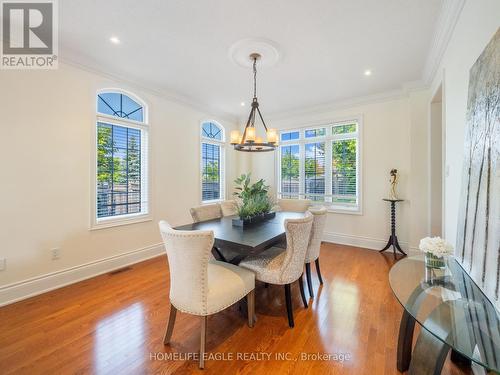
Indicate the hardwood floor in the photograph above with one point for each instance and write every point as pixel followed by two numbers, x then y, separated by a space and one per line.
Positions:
pixel 114 324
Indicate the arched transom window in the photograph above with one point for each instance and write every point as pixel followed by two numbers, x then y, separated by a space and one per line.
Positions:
pixel 120 105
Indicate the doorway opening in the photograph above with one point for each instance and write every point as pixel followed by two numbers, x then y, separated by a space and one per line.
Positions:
pixel 436 163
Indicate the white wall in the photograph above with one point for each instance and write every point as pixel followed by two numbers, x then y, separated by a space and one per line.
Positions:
pixel 47 118
pixel 477 23
pixel 394 135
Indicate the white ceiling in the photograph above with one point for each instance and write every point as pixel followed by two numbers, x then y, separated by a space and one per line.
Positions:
pixel 182 47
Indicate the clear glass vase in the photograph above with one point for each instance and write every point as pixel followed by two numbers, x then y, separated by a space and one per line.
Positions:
pixel 432 261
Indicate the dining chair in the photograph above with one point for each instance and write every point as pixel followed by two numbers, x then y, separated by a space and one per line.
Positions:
pixel 313 249
pixel 199 286
pixel 293 205
pixel 229 207
pixel 206 212
pixel 296 205
pixel 284 266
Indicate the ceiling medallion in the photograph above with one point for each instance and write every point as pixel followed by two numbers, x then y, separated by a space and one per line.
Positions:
pixel 250 142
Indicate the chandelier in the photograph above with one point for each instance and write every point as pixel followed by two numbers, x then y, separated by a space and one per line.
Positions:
pixel 250 142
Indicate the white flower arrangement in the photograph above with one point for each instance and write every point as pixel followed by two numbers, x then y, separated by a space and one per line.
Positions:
pixel 436 246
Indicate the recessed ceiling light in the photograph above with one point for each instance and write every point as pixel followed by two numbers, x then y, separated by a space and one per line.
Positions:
pixel 242 104
pixel 114 40
pixel 368 72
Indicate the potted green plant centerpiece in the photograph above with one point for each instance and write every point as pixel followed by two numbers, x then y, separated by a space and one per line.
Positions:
pixel 254 203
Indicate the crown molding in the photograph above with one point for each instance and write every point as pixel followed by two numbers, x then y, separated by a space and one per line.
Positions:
pixel 164 94
pixel 448 17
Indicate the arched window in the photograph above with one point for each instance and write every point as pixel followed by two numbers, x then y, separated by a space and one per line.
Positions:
pixel 119 105
pixel 121 167
pixel 212 161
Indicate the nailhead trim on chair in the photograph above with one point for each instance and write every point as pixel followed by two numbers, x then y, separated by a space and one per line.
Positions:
pixel 204 276
pixel 216 311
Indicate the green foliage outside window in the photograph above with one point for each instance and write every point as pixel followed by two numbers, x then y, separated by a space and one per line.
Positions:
pixel 111 168
pixel 344 169
pixel 211 172
pixel 289 166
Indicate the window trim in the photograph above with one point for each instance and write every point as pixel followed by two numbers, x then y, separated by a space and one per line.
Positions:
pixel 222 144
pixel 113 221
pixel 328 138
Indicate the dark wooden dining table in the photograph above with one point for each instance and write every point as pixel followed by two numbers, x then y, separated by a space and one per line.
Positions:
pixel 245 241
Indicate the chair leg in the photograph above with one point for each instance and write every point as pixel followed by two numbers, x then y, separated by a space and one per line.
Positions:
pixel 302 293
pixel 289 309
pixel 309 281
pixel 318 271
pixel 170 325
pixel 251 307
pixel 203 340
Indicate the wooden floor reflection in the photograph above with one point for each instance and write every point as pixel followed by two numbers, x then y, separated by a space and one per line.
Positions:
pixel 114 324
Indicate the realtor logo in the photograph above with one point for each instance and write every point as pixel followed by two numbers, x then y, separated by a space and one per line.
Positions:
pixel 29 34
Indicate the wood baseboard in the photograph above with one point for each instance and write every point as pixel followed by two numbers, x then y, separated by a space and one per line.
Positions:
pixel 358 241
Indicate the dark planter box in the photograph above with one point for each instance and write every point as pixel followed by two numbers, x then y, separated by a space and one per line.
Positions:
pixel 253 220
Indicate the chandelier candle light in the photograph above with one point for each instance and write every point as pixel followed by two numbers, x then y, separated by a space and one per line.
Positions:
pixel 250 142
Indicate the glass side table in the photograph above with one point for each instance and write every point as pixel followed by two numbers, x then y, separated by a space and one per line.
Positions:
pixel 454 314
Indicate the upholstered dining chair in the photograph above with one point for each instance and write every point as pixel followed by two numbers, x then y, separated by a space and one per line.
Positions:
pixel 312 254
pixel 284 266
pixel 199 286
pixel 206 212
pixel 296 205
pixel 229 207
pixel 293 205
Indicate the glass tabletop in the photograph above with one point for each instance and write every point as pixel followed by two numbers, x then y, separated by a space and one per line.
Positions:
pixel 448 304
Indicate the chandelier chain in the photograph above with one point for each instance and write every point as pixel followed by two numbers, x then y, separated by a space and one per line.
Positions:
pixel 255 77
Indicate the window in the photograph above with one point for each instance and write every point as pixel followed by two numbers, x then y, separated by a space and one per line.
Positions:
pixel 121 169
pixel 290 182
pixel 314 168
pixel 212 162
pixel 322 164
pixel 289 136
pixel 311 133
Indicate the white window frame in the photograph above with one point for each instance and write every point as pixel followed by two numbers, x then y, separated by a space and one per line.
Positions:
pixel 145 214
pixel 222 147
pixel 328 138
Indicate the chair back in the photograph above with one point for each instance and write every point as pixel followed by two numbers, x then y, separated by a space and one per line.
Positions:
pixel 206 212
pixel 188 253
pixel 229 207
pixel 297 239
pixel 318 226
pixel 295 205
